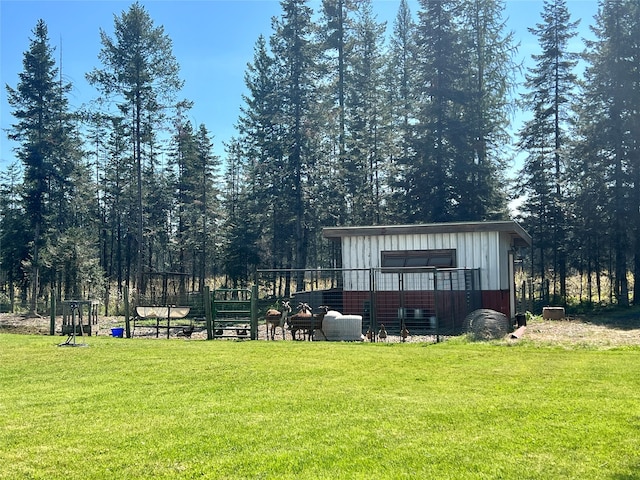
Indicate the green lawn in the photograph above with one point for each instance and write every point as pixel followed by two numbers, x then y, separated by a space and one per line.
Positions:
pixel 193 409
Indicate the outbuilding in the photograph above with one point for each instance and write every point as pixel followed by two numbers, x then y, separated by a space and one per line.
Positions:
pixel 418 259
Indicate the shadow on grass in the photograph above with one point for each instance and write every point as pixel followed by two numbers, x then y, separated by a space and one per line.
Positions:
pixel 634 468
pixel 620 318
pixel 23 329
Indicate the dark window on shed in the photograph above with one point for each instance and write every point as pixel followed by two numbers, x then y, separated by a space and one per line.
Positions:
pixel 445 258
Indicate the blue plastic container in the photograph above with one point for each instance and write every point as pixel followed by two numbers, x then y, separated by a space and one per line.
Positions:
pixel 117 332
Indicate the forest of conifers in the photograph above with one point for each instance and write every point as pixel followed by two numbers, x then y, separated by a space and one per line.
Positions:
pixel 345 122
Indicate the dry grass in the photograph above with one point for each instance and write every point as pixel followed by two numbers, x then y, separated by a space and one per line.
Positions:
pixel 611 330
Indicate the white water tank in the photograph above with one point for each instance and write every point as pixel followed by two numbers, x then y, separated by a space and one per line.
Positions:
pixel 342 328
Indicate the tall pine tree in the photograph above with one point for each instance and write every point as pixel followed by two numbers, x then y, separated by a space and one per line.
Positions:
pixel 545 138
pixel 611 103
pixel 401 98
pixel 488 84
pixel 438 131
pixel 296 54
pixel 48 148
pixel 364 169
pixel 140 71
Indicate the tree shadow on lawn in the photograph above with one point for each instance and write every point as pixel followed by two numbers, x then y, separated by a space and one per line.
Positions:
pixel 613 317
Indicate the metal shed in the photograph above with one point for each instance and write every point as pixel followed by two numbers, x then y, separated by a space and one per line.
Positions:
pixel 488 247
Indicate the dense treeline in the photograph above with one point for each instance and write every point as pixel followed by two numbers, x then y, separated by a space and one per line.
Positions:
pixel 346 121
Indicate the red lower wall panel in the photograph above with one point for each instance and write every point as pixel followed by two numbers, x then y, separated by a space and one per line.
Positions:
pixel 497 300
pixel 451 308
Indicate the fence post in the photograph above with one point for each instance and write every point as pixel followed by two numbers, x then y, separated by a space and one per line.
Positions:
pixel 435 304
pixel 373 312
pixel 254 312
pixel 207 312
pixel 52 317
pixel 127 313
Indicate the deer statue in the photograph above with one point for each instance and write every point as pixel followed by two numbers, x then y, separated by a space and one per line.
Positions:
pixel 275 318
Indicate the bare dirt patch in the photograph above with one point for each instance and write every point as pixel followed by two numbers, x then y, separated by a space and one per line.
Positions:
pixel 41 325
pixel 583 332
pixel 600 331
pixel 29 325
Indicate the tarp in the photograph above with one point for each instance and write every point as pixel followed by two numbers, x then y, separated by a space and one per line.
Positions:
pixel 162 312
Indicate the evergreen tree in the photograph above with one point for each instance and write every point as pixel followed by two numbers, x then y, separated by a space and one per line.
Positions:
pixel 240 252
pixel 139 69
pixel 296 55
pixel 193 175
pixel 119 203
pixel 610 105
pixel 451 170
pixel 48 148
pixel 401 97
pixel 159 212
pixel 205 207
pixel 551 85
pixel 183 156
pixel 488 83
pixel 591 203
pixel 429 183
pixel 335 39
pixel 96 138
pixel 634 154
pixel 364 169
pixel 14 229
pixel 269 188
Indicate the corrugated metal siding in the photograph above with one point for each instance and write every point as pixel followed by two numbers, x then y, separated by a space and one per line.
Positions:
pixel 505 247
pixel 487 251
pixel 478 250
pixel 358 253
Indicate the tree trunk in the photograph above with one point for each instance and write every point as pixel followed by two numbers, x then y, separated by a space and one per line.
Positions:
pixel 35 271
pixel 138 162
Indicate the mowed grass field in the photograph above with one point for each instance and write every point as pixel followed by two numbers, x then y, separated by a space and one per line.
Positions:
pixel 139 408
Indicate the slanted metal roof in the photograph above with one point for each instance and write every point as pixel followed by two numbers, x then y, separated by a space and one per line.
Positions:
pixel 518 234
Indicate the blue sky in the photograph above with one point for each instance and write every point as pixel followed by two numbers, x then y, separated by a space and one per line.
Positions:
pixel 213 41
